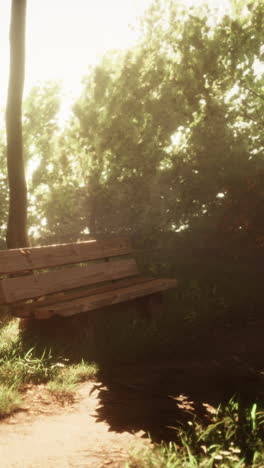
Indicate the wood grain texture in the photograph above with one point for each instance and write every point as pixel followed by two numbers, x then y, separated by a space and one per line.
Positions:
pixel 26 308
pixel 38 285
pixel 27 259
pixel 97 301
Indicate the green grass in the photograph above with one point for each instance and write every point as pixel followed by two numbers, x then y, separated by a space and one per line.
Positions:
pixel 9 339
pixel 20 366
pixel 232 437
pixel 173 456
pixel 68 377
pixel 10 400
pixel 19 370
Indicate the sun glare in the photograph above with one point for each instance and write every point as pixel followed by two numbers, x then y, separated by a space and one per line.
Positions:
pixel 64 37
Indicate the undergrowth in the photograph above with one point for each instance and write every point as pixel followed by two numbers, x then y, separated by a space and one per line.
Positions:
pixel 66 380
pixel 20 366
pixel 229 436
pixel 10 400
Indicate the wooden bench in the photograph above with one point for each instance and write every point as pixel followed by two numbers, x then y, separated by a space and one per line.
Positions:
pixel 69 279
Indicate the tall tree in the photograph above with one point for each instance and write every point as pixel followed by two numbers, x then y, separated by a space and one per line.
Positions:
pixel 172 131
pixel 17 220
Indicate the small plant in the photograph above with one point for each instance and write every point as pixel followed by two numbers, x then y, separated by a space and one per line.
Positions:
pixel 10 400
pixel 82 371
pixel 27 368
pixel 69 376
pixel 19 367
pixel 62 386
pixel 9 339
pixel 233 435
pixel 229 436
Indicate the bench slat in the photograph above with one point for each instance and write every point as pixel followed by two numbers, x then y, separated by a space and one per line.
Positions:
pixel 19 260
pixel 38 285
pixel 25 309
pixel 97 301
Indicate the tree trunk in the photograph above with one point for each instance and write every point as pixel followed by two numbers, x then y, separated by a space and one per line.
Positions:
pixel 17 220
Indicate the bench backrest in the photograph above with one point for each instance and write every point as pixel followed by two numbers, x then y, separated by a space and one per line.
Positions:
pixel 23 277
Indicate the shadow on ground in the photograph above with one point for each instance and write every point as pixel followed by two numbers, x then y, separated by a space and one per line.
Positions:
pixel 141 395
pixel 148 395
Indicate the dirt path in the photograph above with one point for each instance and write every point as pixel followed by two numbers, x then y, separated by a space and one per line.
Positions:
pixel 50 435
pixel 107 419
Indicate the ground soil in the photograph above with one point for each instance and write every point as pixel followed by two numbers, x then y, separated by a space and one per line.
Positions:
pixel 109 418
pixel 62 433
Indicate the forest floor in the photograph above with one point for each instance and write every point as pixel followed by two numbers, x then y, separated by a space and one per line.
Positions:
pixel 50 433
pixel 107 419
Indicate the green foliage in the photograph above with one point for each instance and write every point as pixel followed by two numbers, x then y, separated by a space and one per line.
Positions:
pixel 41 134
pixel 167 131
pixel 9 339
pixel 166 144
pixel 166 136
pixel 232 437
pixel 63 386
pixel 3 189
pixel 66 380
pixel 20 366
pixel 27 368
pixel 82 371
pixel 10 400
pixel 232 429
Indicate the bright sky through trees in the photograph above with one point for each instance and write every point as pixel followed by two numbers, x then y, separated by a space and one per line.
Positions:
pixel 175 115
pixel 64 37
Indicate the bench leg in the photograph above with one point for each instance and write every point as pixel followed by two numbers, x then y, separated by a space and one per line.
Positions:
pixel 91 332
pixel 83 327
pixel 152 307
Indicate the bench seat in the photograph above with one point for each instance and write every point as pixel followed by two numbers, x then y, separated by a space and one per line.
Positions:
pixel 86 276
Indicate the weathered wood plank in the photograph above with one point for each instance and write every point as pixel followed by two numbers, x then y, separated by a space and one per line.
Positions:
pixel 97 301
pixel 26 308
pixel 38 285
pixel 19 260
